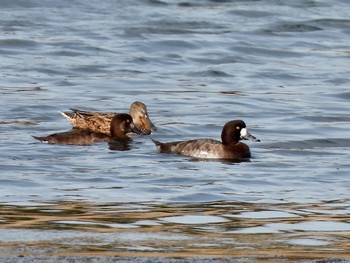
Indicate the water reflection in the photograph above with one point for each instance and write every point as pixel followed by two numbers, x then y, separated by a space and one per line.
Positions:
pixel 211 229
pixel 223 161
pixel 19 122
pixel 119 146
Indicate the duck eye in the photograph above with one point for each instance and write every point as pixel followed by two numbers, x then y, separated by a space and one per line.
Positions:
pixel 238 128
pixel 127 121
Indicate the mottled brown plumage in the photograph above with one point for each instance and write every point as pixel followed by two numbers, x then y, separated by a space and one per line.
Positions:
pixel 100 121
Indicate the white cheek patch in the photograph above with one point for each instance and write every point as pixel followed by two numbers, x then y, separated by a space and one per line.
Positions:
pixel 244 132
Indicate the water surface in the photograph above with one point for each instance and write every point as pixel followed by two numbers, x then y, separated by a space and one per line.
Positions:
pixel 281 66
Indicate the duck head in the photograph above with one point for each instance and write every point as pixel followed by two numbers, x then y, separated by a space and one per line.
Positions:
pixel 138 111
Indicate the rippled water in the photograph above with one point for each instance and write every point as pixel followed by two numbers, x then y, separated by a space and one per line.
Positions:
pixel 282 66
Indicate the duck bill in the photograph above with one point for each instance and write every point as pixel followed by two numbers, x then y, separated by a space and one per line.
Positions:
pixel 147 126
pixel 136 130
pixel 153 127
pixel 245 135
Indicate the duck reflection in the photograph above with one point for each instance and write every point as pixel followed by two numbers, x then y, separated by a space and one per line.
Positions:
pixel 119 146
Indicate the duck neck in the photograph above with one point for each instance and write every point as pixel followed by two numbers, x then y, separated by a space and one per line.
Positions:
pixel 122 137
pixel 228 138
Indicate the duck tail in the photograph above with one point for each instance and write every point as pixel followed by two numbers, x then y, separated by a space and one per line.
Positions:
pixel 156 142
pixel 161 147
pixel 67 115
pixel 73 116
pixel 42 139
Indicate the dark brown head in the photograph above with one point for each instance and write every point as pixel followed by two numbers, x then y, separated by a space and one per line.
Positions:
pixel 234 131
pixel 122 124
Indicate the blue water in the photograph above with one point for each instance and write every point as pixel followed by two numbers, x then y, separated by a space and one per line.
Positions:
pixel 281 66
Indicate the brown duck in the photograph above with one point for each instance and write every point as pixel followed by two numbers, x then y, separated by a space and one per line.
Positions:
pixel 100 121
pixel 121 124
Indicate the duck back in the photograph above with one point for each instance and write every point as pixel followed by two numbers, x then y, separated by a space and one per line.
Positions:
pixel 95 121
pixel 75 137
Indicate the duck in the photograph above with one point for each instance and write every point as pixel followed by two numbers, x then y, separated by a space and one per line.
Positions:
pixel 229 148
pixel 121 124
pixel 100 121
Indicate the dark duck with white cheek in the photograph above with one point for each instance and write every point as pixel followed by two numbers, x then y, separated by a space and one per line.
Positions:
pixel 230 147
